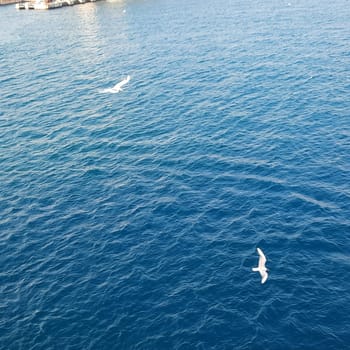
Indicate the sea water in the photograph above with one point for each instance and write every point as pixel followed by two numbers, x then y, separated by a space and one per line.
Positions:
pixel 131 220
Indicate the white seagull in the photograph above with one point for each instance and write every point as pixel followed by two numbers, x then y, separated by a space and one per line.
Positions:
pixel 116 88
pixel 261 268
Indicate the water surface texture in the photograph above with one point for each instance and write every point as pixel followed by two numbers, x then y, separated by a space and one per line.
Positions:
pixel 131 220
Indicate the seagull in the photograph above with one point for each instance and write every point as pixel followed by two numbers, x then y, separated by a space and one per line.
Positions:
pixel 118 87
pixel 261 268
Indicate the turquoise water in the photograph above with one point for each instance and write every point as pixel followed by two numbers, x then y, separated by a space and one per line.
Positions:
pixel 131 220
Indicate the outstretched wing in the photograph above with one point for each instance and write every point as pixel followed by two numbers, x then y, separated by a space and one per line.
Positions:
pixel 107 91
pixel 124 81
pixel 118 87
pixel 264 276
pixel 262 259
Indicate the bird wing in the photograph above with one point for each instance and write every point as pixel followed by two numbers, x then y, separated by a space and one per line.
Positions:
pixel 124 81
pixel 264 276
pixel 262 259
pixel 118 86
pixel 105 91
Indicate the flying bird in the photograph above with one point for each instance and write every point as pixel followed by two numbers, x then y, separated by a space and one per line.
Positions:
pixel 118 87
pixel 261 267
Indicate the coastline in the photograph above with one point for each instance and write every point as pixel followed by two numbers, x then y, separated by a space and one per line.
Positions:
pixel 42 4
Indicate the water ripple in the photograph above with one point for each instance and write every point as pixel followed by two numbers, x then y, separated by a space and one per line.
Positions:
pixel 131 221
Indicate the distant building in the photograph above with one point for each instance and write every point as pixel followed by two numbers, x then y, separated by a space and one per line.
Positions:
pixel 6 2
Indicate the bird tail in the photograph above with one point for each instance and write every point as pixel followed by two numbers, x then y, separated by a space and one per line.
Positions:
pixel 255 269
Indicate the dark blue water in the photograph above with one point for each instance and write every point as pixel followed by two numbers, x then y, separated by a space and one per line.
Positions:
pixel 131 220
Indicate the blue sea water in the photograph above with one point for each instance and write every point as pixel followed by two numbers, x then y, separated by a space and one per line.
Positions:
pixel 131 220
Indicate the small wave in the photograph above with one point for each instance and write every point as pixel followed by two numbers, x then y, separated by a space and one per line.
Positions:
pixel 321 204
